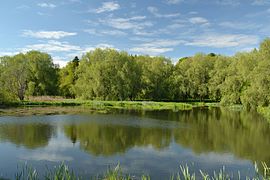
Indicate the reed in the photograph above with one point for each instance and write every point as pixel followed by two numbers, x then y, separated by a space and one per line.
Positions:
pixel 62 172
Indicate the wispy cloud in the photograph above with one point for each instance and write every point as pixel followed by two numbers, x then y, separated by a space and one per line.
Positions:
pixel 47 34
pixel 240 25
pixel 154 11
pixel 47 5
pixel 87 48
pixel 199 20
pixel 174 1
pixel 157 47
pixel 8 53
pixel 52 46
pixel 224 40
pixel 107 7
pixel 135 22
pixel 260 2
pixel 60 61
pixel 24 6
pixel 105 32
pixel 228 2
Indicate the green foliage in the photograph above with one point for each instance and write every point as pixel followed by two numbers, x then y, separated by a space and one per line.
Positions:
pixel 107 74
pixel 43 78
pixel 32 73
pixel 155 77
pixel 26 172
pixel 14 76
pixel 62 172
pixel 192 76
pixel 68 78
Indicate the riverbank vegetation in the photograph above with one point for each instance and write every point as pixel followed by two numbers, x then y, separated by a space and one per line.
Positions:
pixel 106 74
pixel 185 173
pixel 107 105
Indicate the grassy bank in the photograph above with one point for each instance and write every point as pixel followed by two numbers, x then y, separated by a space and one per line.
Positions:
pixel 62 172
pixel 136 105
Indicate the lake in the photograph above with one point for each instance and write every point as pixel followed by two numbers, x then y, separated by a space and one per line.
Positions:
pixel 150 142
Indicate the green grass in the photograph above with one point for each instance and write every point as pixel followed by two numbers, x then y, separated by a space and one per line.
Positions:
pixel 62 172
pixel 136 105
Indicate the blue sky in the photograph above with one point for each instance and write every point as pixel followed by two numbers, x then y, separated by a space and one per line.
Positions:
pixel 173 28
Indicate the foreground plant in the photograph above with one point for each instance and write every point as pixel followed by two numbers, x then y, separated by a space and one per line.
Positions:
pixel 62 172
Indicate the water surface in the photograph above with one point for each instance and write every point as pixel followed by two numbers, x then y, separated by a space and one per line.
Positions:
pixel 150 142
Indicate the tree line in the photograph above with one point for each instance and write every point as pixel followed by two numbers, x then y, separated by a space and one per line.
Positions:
pixel 107 74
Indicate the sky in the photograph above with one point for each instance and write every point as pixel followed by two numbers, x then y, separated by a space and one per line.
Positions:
pixel 171 28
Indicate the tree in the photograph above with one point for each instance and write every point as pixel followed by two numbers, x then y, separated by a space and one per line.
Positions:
pixel 15 74
pixel 156 72
pixel 108 75
pixel 43 77
pixel 217 76
pixel 192 76
pixel 68 78
pixel 265 49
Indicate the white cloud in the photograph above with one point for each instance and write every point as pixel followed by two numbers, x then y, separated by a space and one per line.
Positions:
pixel 47 5
pixel 151 50
pixel 260 2
pixel 88 48
pixel 174 1
pixel 155 12
pixel 23 7
pixel 157 47
pixel 47 34
pixel 59 60
pixel 143 33
pixel 247 49
pixel 92 48
pixel 239 25
pixel 104 46
pixel 105 32
pixel 52 46
pixel 258 13
pixel 75 1
pixel 199 20
pixel 107 7
pixel 43 14
pixel 224 40
pixel 127 23
pixel 8 53
pixel 228 2
pixel 46 156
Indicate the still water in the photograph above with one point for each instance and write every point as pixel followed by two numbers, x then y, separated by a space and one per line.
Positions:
pixel 149 142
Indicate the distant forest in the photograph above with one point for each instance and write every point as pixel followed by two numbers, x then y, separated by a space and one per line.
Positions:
pixel 107 74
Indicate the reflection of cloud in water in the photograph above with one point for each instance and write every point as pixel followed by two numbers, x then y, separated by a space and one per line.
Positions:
pixel 221 158
pixel 45 156
pixel 54 152
pixel 149 160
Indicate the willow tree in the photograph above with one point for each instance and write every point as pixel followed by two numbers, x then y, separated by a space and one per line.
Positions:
pixel 43 77
pixel 108 75
pixel 14 77
pixel 68 78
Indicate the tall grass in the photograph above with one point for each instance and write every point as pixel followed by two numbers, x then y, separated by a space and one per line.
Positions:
pixel 62 172
pixel 136 105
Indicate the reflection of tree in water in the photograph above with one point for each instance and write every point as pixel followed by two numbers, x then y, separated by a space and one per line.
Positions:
pixel 106 139
pixel 28 135
pixel 246 135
